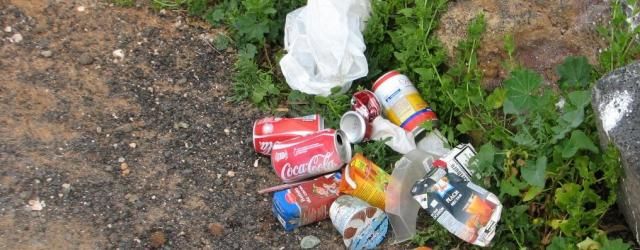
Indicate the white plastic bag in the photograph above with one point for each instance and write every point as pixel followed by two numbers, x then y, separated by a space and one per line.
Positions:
pixel 399 140
pixel 324 44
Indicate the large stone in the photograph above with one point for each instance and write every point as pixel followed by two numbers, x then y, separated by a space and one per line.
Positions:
pixel 616 101
pixel 545 32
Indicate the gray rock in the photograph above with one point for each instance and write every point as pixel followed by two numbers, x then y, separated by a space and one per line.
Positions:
pixel 85 59
pixel 309 242
pixel 616 99
pixel 46 53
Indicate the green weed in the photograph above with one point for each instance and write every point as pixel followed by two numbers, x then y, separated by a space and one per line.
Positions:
pixel 124 3
pixel 623 44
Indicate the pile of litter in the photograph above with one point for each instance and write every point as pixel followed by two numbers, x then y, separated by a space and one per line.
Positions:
pixel 321 176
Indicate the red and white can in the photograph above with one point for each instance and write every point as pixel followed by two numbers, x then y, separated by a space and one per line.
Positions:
pixel 311 155
pixel 366 104
pixel 269 130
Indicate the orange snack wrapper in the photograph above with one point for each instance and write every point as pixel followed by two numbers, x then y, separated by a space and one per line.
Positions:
pixel 364 179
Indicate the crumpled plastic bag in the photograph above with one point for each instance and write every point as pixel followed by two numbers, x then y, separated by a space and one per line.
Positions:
pixel 325 46
pixel 400 140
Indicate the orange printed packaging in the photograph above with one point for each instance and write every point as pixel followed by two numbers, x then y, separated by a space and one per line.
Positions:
pixel 364 179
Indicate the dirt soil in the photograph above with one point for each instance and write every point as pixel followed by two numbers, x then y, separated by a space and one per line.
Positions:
pixel 127 149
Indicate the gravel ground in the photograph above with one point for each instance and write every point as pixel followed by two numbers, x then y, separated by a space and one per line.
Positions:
pixel 116 131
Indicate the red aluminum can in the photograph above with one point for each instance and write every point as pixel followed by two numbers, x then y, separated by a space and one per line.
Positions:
pixel 312 155
pixel 269 130
pixel 366 104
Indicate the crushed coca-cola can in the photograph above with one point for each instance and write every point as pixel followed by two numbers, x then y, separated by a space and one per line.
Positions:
pixel 366 104
pixel 306 203
pixel 269 130
pixel 356 127
pixel 311 155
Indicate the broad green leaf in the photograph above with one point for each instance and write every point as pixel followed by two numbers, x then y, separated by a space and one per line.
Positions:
pixel 524 139
pixel 580 98
pixel 582 164
pixel 507 187
pixel 482 163
pixel 568 195
pixel 531 193
pixel 534 172
pixel 616 244
pixel 588 244
pixel 509 108
pixel 496 98
pixel 574 71
pixel 521 88
pixel 560 243
pixel 559 132
pixel 573 118
pixel 466 125
pixel 486 154
pixel 579 140
pixel 426 74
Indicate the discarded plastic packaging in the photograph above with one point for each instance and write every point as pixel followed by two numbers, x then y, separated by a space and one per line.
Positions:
pixel 306 203
pixel 269 130
pixel 361 225
pixel 401 208
pixel 307 156
pixel 400 140
pixel 433 143
pixel 356 127
pixel 463 208
pixel 364 179
pixel 457 161
pixel 325 46
pixel 402 103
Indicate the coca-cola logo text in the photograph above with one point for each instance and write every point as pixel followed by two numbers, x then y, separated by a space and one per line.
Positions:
pixel 320 163
pixel 266 146
pixel 281 155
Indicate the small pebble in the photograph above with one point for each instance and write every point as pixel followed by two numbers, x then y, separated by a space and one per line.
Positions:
pixel 181 125
pixel 36 205
pixel 227 131
pixel 8 29
pixel 121 159
pixel 16 38
pixel 157 239
pixel 182 81
pixel 216 229
pixel 255 163
pixel 46 53
pixel 231 173
pixel 309 242
pixel 124 169
pixel 66 188
pixel 133 145
pixel 131 198
pixel 81 9
pixel 99 130
pixel 85 59
pixel 118 53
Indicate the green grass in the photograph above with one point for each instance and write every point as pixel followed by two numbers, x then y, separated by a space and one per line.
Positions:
pixel 542 161
pixel 124 3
